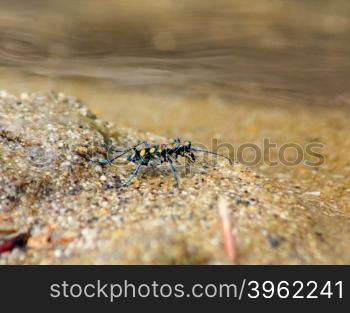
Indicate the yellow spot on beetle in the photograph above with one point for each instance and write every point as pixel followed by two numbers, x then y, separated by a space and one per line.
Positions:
pixel 142 152
pixel 152 150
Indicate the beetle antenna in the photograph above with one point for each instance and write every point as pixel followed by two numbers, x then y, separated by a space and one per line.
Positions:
pixel 214 153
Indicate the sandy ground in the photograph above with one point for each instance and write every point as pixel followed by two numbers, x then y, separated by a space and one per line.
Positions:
pixel 71 211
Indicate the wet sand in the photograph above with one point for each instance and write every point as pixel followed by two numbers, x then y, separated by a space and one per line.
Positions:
pixel 75 213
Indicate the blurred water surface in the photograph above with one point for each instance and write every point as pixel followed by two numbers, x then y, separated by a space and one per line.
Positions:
pixel 282 50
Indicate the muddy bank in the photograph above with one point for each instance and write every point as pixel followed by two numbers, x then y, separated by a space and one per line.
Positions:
pixel 73 211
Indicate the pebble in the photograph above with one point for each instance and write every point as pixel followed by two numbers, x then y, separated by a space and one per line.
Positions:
pixel 24 96
pixel 3 94
pixel 58 253
pixel 313 193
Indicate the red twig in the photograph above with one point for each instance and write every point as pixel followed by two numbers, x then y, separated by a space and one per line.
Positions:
pixel 229 242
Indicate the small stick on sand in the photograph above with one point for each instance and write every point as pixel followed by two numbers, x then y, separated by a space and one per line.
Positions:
pixel 229 242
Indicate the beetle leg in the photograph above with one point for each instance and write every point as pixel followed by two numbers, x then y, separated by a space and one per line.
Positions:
pixel 133 175
pixel 173 169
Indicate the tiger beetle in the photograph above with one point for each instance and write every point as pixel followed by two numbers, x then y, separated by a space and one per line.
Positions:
pixel 161 153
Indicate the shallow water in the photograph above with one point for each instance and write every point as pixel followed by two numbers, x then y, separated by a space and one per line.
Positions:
pixel 294 51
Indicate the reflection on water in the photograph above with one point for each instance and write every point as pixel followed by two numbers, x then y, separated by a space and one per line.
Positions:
pixel 282 49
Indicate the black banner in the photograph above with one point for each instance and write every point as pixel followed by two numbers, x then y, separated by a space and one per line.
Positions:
pixel 232 287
